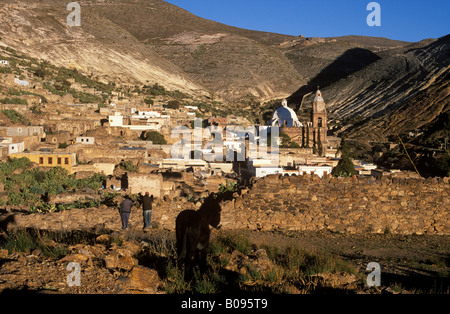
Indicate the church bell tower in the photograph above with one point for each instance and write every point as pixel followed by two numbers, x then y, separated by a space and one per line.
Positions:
pixel 319 121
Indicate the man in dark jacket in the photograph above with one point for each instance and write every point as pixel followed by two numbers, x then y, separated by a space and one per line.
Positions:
pixel 147 201
pixel 125 210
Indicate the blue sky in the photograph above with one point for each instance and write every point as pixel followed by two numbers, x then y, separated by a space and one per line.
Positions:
pixel 409 20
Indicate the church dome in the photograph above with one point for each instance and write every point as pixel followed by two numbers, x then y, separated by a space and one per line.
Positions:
pixel 285 116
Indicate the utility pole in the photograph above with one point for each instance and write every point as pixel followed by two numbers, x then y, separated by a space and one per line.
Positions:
pixel 409 157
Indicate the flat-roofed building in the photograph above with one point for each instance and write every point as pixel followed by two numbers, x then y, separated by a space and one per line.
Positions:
pixel 47 159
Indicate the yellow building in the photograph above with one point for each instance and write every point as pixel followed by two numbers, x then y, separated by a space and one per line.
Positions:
pixel 45 159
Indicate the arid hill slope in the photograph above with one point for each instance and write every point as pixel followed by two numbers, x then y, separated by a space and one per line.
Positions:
pixel 137 41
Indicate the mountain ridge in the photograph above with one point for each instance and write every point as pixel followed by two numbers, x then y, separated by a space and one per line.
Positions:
pixel 367 82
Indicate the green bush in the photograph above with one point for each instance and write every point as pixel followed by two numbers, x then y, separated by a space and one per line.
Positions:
pixel 13 115
pixel 26 186
pixel 24 241
pixel 156 137
pixel 345 167
pixel 129 166
pixel 149 101
pixel 230 186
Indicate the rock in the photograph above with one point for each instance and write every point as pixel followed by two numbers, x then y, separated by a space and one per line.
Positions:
pixel 120 259
pixel 144 279
pixel 75 258
pixel 3 253
pixel 36 252
pixel 133 248
pixel 104 239
pixel 341 279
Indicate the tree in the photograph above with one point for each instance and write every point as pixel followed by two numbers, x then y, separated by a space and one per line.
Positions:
pixel 148 101
pixel 156 137
pixel 307 136
pixel 319 144
pixel 174 104
pixel 345 167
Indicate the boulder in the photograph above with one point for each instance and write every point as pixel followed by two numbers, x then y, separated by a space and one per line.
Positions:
pixel 144 280
pixel 120 259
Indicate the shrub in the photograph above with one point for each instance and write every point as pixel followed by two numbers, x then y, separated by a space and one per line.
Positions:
pixel 156 137
pixel 345 167
pixel 229 187
pixel 174 104
pixel 129 166
pixel 13 115
pixel 149 101
pixel 27 186
pixel 231 241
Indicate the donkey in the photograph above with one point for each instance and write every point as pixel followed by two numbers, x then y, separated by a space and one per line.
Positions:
pixel 193 234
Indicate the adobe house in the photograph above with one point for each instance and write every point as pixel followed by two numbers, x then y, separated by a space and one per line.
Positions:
pixel 4 152
pixel 46 159
pixel 22 131
pixel 59 137
pixel 85 140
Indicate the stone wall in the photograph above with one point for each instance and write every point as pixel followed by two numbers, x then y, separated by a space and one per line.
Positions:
pixel 298 203
pixel 394 205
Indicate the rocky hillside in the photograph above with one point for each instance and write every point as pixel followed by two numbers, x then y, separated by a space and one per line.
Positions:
pixel 396 94
pixel 375 87
pixel 156 42
pixel 99 47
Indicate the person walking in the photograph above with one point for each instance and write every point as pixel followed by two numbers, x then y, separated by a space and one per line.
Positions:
pixel 125 211
pixel 147 201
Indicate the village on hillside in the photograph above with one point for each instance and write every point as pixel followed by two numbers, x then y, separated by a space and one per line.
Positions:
pixel 134 140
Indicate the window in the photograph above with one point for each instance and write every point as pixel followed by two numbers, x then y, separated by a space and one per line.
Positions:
pixel 66 161
pixel 41 160
pixel 59 160
pixel 50 160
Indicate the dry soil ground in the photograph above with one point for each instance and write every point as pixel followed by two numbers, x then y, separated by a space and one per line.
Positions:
pixel 411 264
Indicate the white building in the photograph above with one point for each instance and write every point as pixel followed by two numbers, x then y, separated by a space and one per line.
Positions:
pixel 147 114
pixel 264 167
pixel 4 62
pixel 13 148
pixel 116 119
pixel 364 168
pixel 21 82
pixel 85 140
pixel 285 116
pixel 319 170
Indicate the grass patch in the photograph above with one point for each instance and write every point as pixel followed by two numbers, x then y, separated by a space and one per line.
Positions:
pixel 26 241
pixel 233 267
pixel 13 115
